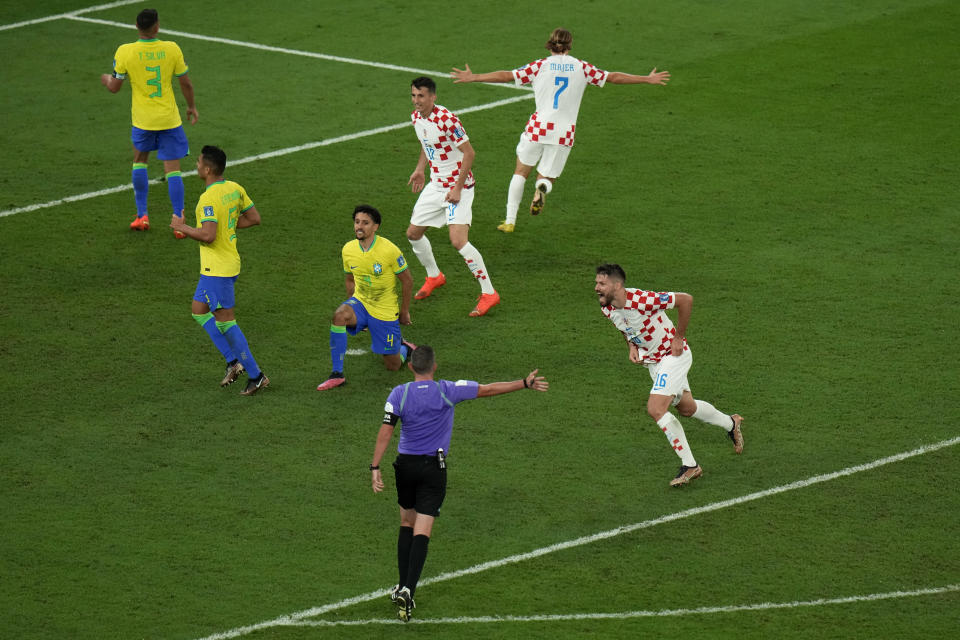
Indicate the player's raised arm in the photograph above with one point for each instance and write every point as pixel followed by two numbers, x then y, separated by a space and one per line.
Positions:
pixel 654 77
pixel 466 75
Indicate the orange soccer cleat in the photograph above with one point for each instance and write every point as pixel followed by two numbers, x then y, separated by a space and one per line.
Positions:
pixel 140 224
pixel 429 285
pixel 485 302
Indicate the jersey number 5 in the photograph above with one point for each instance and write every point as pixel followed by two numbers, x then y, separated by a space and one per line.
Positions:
pixel 562 83
pixel 155 81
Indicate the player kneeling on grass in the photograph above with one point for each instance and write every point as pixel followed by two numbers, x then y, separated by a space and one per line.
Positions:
pixel 222 209
pixel 654 342
pixel 425 407
pixel 372 266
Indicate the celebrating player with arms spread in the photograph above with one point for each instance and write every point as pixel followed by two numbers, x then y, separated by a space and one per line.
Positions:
pixel 558 83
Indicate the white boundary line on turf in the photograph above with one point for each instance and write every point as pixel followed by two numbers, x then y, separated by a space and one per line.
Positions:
pixel 624 615
pixel 289 619
pixel 292 52
pixel 259 156
pixel 69 14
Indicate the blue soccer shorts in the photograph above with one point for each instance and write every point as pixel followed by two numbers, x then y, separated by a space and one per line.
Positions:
pixel 170 144
pixel 216 292
pixel 385 336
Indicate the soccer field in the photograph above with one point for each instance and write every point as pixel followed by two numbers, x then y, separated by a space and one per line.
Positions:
pixel 798 177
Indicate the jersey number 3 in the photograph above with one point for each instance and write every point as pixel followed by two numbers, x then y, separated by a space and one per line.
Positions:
pixel 155 81
pixel 562 83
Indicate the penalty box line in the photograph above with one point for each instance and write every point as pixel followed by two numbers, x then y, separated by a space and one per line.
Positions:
pixel 260 156
pixel 69 14
pixel 292 52
pixel 292 618
pixel 626 615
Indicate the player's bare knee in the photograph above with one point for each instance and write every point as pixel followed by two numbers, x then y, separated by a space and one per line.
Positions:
pixel 686 411
pixel 342 316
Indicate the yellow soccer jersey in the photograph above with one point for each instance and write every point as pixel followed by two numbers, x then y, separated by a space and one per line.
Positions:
pixel 375 274
pixel 151 66
pixel 222 202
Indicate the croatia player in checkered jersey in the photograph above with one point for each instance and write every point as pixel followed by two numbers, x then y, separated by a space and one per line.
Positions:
pixel 447 199
pixel 558 84
pixel 662 348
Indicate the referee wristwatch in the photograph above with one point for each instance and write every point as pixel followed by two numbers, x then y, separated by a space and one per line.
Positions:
pixel 374 467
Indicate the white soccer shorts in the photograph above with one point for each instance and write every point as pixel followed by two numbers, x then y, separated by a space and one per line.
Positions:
pixel 432 210
pixel 670 376
pixel 550 159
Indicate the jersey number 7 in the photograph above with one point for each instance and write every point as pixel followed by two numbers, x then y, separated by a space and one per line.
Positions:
pixel 562 83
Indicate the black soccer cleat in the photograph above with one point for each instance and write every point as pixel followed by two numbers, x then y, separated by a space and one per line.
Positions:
pixel 256 384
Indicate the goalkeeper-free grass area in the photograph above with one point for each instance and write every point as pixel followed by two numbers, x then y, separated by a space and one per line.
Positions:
pixel 798 177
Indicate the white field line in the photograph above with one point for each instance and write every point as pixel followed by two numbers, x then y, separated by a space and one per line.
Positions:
pixel 292 52
pixel 71 14
pixel 292 618
pixel 624 615
pixel 259 156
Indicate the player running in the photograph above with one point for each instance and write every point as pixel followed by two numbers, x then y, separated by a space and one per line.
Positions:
pixel 558 83
pixel 662 348
pixel 448 198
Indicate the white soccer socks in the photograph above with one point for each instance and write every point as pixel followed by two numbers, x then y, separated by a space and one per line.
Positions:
pixel 546 184
pixel 424 252
pixel 479 270
pixel 706 412
pixel 514 196
pixel 672 428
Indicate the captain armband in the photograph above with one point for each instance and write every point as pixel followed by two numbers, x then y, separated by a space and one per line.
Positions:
pixel 391 418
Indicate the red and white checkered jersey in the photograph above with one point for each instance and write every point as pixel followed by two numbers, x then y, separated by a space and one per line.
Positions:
pixel 643 321
pixel 558 84
pixel 441 133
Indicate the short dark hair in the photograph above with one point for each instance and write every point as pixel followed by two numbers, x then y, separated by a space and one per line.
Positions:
pixel 367 209
pixel 612 270
pixel 560 41
pixel 423 82
pixel 422 359
pixel 215 158
pixel 146 19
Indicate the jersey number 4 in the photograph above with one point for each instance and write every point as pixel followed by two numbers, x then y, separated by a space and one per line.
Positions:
pixel 562 83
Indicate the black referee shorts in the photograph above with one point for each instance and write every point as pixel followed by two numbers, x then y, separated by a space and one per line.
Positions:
pixel 421 483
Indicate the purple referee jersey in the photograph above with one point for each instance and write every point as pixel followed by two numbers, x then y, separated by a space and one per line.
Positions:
pixel 425 408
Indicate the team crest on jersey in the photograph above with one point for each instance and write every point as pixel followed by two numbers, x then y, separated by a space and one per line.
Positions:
pixel 377 268
pixel 208 212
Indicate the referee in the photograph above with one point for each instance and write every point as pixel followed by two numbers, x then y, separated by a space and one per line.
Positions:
pixel 425 406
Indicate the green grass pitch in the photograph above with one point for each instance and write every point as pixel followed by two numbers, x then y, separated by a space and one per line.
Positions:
pixel 798 177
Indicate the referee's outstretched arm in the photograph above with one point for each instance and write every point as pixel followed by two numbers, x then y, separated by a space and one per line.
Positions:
pixel 532 381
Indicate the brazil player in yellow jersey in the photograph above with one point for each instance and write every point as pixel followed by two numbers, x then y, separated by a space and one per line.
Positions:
pixel 372 267
pixel 222 209
pixel 151 65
